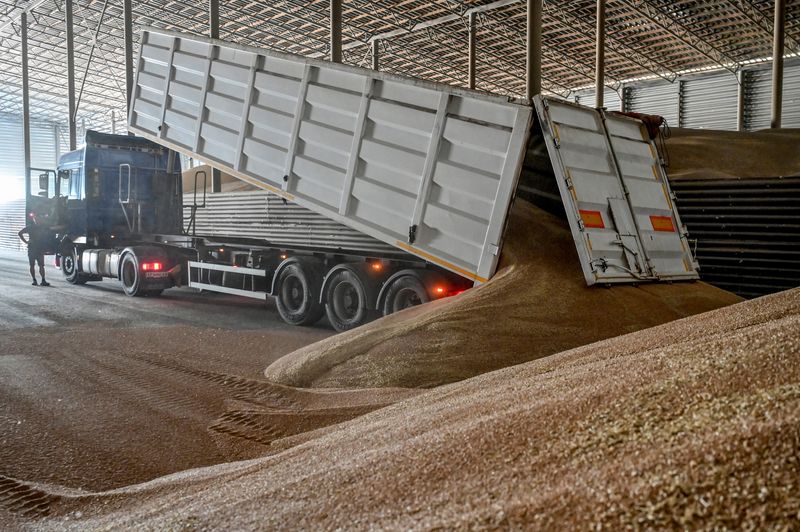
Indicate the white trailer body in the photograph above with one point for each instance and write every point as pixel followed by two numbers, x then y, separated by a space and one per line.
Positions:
pixel 427 168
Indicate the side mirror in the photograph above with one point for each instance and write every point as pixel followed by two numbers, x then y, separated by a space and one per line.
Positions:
pixel 44 181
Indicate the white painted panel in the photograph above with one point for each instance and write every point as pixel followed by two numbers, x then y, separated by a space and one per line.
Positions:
pixel 615 193
pixel 430 169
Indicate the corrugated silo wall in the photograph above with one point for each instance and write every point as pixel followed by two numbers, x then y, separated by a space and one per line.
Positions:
pixel 44 153
pixel 709 100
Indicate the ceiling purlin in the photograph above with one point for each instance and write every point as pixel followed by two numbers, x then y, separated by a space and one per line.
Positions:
pixel 669 24
pixel 614 42
pixel 553 52
pixel 763 23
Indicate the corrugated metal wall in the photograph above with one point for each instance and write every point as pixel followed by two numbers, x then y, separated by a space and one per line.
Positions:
pixel 44 153
pixel 611 99
pixel 759 98
pixel 12 219
pixel 259 214
pixel 12 160
pixel 746 231
pixel 659 99
pixel 710 101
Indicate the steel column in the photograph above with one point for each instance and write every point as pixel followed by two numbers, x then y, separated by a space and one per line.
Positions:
pixel 26 102
pixel 600 54
pixel 779 29
pixel 740 99
pixel 213 19
pixel 473 30
pixel 73 140
pixel 336 31
pixel 113 122
pixel 376 56
pixel 533 55
pixel 127 10
pixel 213 32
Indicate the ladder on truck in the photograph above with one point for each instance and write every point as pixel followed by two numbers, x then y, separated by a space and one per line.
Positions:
pixel 427 168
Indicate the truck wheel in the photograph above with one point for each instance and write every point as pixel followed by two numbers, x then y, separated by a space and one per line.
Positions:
pixel 69 267
pixel 404 292
pixel 346 301
pixel 130 276
pixel 297 295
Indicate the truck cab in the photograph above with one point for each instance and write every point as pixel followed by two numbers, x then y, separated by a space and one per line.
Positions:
pixel 117 188
pixel 106 203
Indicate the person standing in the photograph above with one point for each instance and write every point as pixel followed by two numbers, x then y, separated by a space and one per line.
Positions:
pixel 37 243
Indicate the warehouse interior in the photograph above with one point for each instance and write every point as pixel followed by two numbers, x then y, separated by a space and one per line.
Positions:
pixel 530 386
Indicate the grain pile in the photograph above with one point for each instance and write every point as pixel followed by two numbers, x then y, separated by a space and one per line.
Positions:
pixel 710 154
pixel 536 305
pixel 692 424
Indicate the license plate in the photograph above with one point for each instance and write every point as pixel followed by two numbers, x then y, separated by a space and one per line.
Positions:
pixel 156 275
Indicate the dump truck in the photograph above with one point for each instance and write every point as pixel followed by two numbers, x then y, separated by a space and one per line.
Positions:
pixel 425 172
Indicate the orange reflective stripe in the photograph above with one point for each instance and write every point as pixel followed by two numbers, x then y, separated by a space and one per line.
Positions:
pixel 449 265
pixel 662 223
pixel 592 219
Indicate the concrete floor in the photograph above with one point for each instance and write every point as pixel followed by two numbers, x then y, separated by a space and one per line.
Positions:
pixel 100 390
pixel 23 305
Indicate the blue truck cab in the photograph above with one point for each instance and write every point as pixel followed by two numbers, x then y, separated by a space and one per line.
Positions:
pixel 107 204
pixel 117 188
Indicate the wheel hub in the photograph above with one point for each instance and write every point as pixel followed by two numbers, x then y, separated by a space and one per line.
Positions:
pixel 346 301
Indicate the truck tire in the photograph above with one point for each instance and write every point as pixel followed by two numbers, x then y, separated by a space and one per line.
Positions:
pixel 404 292
pixel 346 301
pixel 69 267
pixel 130 276
pixel 297 295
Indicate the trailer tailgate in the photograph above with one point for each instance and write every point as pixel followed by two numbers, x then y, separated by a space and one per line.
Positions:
pixel 616 195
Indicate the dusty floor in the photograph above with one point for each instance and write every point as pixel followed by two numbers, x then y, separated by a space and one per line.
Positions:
pixel 608 434
pixel 692 424
pixel 96 393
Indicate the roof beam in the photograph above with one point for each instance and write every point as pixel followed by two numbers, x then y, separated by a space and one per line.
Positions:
pixel 435 22
pixel 761 22
pixel 27 8
pixel 561 57
pixel 668 23
pixel 613 43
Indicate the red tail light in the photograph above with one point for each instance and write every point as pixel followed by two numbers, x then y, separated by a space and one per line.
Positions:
pixel 152 266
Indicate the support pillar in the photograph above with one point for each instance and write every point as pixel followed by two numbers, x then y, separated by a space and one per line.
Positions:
pixel 73 140
pixel 336 31
pixel 473 30
pixel 26 102
pixel 213 32
pixel 213 19
pixel 741 99
pixel 127 11
pixel 533 55
pixel 600 54
pixel 376 56
pixel 778 41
